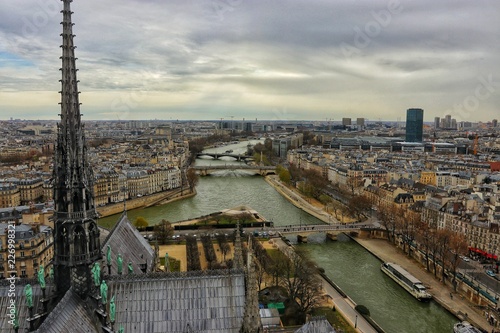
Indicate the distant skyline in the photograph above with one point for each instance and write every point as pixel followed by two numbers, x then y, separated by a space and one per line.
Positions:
pixel 277 60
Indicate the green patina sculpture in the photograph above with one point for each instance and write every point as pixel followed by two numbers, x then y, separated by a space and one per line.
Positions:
pixel 130 268
pixel 119 260
pixel 112 309
pixel 167 263
pixel 108 255
pixel 121 330
pixel 41 277
pixel 104 292
pixel 96 272
pixel 16 318
pixel 28 292
pixel 51 274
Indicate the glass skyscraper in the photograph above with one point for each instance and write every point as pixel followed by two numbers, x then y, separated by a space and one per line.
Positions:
pixel 414 125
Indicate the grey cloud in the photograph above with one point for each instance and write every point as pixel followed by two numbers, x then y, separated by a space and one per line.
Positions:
pixel 274 48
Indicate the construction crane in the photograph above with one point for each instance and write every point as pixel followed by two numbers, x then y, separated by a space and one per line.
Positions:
pixel 232 124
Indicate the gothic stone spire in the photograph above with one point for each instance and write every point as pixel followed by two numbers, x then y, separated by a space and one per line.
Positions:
pixel 76 235
pixel 251 318
pixel 238 250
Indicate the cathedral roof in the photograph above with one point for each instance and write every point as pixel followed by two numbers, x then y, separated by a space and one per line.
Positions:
pixel 5 297
pixel 124 239
pixel 70 315
pixel 209 301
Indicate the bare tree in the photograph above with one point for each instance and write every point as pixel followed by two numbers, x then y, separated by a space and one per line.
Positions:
pixel 163 231
pixel 434 248
pixel 423 236
pixel 300 280
pixel 223 245
pixel 407 221
pixel 457 248
pixel 192 178
pixel 358 205
pixel 387 215
pixel 443 239
pixel 192 254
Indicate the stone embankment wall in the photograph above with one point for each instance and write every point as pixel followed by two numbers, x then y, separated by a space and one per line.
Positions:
pixel 148 200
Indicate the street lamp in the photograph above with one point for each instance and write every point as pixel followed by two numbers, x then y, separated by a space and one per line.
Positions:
pixel 356 322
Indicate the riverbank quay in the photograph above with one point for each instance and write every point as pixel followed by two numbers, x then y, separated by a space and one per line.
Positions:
pixel 298 201
pixel 341 301
pixel 442 294
pixel 145 201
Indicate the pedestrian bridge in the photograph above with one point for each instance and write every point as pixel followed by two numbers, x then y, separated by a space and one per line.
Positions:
pixel 258 170
pixel 332 231
pixel 216 156
pixel 307 229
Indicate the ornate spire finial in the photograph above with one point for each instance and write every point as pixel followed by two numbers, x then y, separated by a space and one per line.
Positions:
pixel 251 317
pixel 76 236
pixel 238 251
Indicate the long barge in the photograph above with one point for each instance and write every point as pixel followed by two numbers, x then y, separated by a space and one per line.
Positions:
pixel 406 280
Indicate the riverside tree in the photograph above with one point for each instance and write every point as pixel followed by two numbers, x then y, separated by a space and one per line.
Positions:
pixel 299 277
pixel 141 223
pixel 163 231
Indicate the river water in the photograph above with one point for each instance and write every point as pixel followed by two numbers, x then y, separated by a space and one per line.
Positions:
pixel 354 269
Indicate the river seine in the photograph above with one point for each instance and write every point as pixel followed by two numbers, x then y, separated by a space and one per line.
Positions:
pixel 354 269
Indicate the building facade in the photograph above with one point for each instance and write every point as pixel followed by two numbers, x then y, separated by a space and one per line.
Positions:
pixel 33 248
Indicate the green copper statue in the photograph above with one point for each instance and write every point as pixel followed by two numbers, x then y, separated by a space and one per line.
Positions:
pixel 15 325
pixel 28 292
pixel 112 309
pixel 130 268
pixel 119 261
pixel 108 255
pixel 121 329
pixel 96 272
pixel 104 292
pixel 41 277
pixel 51 274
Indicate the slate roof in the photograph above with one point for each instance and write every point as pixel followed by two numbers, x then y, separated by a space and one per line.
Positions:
pixel 126 240
pixel 202 301
pixel 70 315
pixel 211 302
pixel 20 299
pixel 316 325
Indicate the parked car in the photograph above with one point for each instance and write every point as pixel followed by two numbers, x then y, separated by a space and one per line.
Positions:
pixel 490 273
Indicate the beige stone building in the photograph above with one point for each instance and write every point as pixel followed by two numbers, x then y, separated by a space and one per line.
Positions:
pixel 106 187
pixel 10 195
pixel 33 246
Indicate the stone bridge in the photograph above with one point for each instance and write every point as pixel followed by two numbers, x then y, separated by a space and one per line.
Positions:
pixel 258 170
pixel 216 156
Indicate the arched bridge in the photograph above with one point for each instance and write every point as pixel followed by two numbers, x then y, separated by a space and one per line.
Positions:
pixel 216 156
pixel 260 170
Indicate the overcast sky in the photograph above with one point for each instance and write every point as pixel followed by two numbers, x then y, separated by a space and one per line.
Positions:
pixel 265 59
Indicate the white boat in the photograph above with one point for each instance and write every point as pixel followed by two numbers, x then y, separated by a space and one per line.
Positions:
pixel 406 280
pixel 465 327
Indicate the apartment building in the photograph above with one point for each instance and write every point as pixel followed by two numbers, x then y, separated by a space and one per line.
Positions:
pixel 10 195
pixel 33 246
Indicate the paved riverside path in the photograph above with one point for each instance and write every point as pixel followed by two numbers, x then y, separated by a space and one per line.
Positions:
pixel 344 305
pixel 298 201
pixel 385 251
